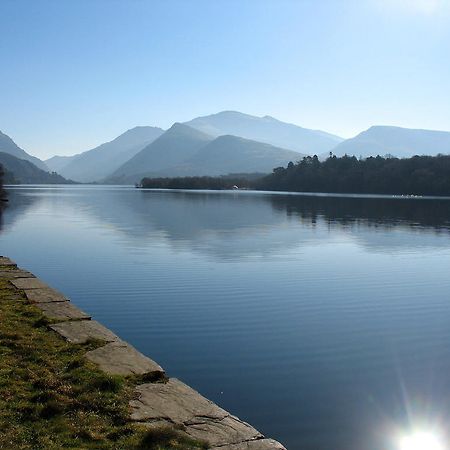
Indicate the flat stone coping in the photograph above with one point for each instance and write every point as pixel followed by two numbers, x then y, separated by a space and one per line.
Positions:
pixel 29 283
pixel 176 403
pixel 44 295
pixel 260 444
pixel 62 311
pixel 16 273
pixel 4 261
pixel 81 331
pixel 120 358
pixel 160 403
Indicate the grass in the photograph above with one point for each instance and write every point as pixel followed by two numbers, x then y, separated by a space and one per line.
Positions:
pixel 51 397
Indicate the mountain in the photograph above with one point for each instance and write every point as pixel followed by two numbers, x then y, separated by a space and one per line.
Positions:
pixel 172 148
pixel 7 145
pixel 21 171
pixel 101 161
pixel 231 154
pixel 396 141
pixel 266 129
pixel 56 163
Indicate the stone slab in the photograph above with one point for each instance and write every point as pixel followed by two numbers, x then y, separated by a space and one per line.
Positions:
pixel 227 431
pixel 44 295
pixel 80 331
pixel 29 283
pixel 4 261
pixel 11 274
pixel 174 401
pixel 260 444
pixel 120 358
pixel 62 311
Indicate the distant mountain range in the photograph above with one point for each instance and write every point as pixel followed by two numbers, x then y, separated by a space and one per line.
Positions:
pixel 21 171
pixel 268 130
pixel 183 150
pixel 223 143
pixel 7 145
pixel 101 161
pixel 395 141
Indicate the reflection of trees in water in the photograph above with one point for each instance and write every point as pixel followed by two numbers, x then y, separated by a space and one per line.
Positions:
pixel 380 212
pixel 16 206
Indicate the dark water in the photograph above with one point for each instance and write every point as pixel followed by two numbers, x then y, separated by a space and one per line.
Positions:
pixel 323 321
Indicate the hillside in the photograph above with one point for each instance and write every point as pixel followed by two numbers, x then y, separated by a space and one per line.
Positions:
pixel 7 145
pixel 171 148
pixel 396 141
pixel 56 163
pixel 101 161
pixel 231 154
pixel 266 129
pixel 20 171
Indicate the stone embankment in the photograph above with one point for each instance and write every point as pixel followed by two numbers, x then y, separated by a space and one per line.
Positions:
pixel 170 402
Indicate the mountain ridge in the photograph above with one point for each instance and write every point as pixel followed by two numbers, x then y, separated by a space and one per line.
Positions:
pixel 99 162
pixel 7 145
pixel 397 141
pixel 266 129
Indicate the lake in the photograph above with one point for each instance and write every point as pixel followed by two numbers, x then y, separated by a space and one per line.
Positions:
pixel 324 321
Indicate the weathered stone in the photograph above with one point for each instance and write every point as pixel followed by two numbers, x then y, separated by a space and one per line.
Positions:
pixel 259 444
pixel 29 283
pixel 120 358
pixel 174 401
pixel 229 430
pixel 4 261
pixel 62 311
pixel 11 274
pixel 80 331
pixel 45 295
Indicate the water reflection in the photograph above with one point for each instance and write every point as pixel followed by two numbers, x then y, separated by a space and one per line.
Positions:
pixel 333 312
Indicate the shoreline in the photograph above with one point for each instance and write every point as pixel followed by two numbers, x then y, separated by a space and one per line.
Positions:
pixel 157 401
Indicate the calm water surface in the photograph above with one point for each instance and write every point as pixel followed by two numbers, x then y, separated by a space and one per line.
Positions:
pixel 323 321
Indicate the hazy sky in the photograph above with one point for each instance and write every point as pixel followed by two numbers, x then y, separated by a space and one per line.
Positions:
pixel 76 73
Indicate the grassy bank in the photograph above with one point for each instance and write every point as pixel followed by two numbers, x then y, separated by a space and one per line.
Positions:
pixel 52 398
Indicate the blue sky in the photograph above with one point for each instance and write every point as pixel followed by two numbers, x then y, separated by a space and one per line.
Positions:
pixel 76 73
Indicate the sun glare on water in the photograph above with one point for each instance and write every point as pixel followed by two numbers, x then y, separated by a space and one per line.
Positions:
pixel 421 441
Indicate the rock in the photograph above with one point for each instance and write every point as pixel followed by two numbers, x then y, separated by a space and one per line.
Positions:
pixel 11 274
pixel 259 444
pixel 29 283
pixel 177 403
pixel 173 400
pixel 80 331
pixel 45 295
pixel 62 311
pixel 4 261
pixel 120 358
pixel 229 430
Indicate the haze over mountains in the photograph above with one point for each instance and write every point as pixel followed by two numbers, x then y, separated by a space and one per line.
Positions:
pixel 185 151
pixel 266 129
pixel 7 145
pixel 223 143
pixel 101 161
pixel 396 141
pixel 22 171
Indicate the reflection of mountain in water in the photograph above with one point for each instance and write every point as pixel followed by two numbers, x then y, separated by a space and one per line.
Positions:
pixel 18 204
pixel 240 224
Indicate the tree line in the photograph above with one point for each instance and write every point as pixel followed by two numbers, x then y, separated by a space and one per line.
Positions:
pixel 419 175
pixel 214 183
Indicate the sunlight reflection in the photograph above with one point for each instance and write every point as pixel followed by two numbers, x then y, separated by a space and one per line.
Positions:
pixel 421 441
